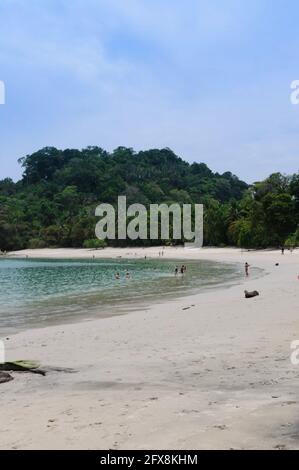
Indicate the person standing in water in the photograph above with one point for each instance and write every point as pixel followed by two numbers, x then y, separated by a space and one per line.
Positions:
pixel 117 276
pixel 247 269
pixel 176 270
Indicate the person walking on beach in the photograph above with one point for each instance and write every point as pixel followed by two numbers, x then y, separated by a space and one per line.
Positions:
pixel 247 269
pixel 282 250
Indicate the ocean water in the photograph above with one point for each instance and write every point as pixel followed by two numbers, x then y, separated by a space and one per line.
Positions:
pixel 40 292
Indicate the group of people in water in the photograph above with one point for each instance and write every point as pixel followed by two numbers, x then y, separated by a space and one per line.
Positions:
pixel 181 270
pixel 127 275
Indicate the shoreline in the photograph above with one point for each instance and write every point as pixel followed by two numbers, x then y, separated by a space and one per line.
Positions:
pixel 169 253
pixel 200 371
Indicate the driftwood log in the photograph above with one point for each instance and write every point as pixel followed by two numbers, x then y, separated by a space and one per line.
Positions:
pixel 22 366
pixel 249 295
pixel 5 377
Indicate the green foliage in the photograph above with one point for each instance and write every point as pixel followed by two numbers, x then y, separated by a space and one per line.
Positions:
pixel 36 243
pixel 52 235
pixel 54 202
pixel 94 243
pixel 293 239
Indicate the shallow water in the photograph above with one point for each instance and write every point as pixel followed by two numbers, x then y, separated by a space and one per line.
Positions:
pixel 40 292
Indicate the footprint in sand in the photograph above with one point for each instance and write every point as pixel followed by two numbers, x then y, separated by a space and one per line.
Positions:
pixel 222 427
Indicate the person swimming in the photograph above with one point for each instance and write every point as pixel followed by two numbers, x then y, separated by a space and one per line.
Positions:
pixel 117 276
pixel 128 275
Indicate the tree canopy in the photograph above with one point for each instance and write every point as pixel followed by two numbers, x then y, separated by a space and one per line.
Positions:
pixel 54 202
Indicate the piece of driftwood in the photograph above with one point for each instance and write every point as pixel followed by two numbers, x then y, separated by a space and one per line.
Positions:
pixel 249 295
pixel 22 366
pixel 5 377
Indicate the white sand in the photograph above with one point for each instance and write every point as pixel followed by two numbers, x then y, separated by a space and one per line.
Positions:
pixel 217 375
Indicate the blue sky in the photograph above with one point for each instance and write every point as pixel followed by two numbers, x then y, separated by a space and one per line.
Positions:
pixel 209 79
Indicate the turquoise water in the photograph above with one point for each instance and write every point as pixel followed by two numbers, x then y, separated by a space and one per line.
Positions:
pixel 40 292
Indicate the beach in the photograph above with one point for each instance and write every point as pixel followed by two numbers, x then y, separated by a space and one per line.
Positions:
pixel 204 371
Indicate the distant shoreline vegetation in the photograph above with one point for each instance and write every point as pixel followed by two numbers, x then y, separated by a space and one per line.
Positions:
pixel 53 205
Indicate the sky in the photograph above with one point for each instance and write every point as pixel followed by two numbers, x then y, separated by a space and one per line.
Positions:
pixel 208 79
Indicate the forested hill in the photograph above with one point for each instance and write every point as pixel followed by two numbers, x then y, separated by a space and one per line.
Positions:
pixel 54 202
pixel 148 176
